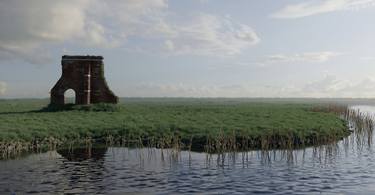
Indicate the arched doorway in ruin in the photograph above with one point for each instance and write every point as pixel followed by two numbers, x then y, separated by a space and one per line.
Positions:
pixel 70 96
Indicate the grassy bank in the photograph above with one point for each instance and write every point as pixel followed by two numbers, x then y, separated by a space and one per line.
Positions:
pixel 201 124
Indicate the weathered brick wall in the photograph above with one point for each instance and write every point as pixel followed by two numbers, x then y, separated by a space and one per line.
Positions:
pixel 85 75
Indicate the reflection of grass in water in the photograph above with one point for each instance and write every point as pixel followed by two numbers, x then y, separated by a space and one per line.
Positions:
pixel 363 125
pixel 212 126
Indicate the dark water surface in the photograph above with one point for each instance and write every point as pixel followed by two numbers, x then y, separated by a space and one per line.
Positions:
pixel 347 167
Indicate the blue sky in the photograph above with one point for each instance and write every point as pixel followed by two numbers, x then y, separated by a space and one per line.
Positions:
pixel 197 48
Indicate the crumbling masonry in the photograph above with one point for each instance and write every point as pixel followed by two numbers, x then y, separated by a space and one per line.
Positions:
pixel 85 75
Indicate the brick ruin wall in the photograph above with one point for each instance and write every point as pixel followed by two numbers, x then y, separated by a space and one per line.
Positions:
pixel 85 75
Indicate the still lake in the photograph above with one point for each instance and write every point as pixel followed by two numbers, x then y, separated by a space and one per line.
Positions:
pixel 346 167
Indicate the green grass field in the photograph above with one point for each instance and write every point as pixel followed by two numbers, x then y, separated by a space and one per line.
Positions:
pixel 187 120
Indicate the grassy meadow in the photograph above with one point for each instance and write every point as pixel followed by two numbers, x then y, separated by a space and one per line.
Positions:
pixel 210 124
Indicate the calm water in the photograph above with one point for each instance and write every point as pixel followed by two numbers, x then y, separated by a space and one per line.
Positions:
pixel 347 167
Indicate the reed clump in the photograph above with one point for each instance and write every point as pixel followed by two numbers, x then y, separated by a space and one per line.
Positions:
pixel 11 149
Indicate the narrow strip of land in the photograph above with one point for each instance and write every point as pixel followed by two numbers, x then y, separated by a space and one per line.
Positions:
pixel 190 122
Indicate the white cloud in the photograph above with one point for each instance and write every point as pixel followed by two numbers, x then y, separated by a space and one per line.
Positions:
pixel 3 87
pixel 212 35
pixel 26 26
pixel 308 8
pixel 96 36
pixel 185 90
pixel 330 86
pixel 120 20
pixel 30 28
pixel 169 45
pixel 306 57
pixel 200 34
pixel 30 53
pixel 367 58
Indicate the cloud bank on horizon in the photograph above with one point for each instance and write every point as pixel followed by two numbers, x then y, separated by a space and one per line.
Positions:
pixel 3 87
pixel 194 49
pixel 309 8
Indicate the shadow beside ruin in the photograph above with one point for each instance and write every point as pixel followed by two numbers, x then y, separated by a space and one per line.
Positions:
pixel 101 107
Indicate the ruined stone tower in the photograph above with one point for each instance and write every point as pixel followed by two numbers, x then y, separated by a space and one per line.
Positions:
pixel 85 75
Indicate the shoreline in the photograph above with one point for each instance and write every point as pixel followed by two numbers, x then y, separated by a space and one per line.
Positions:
pixel 206 126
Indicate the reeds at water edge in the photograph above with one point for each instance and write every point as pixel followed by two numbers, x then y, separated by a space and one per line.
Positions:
pixel 361 124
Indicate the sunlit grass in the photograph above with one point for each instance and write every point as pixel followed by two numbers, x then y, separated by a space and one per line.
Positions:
pixel 188 123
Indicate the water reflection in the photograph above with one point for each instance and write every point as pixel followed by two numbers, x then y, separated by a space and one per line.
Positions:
pixel 81 154
pixel 82 169
pixel 150 170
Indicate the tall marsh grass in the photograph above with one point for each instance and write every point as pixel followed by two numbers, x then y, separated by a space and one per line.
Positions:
pixel 207 127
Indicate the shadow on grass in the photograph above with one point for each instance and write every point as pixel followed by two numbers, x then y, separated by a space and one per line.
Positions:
pixel 101 107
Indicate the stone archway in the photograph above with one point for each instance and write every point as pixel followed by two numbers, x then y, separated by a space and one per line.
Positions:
pixel 85 75
pixel 70 96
